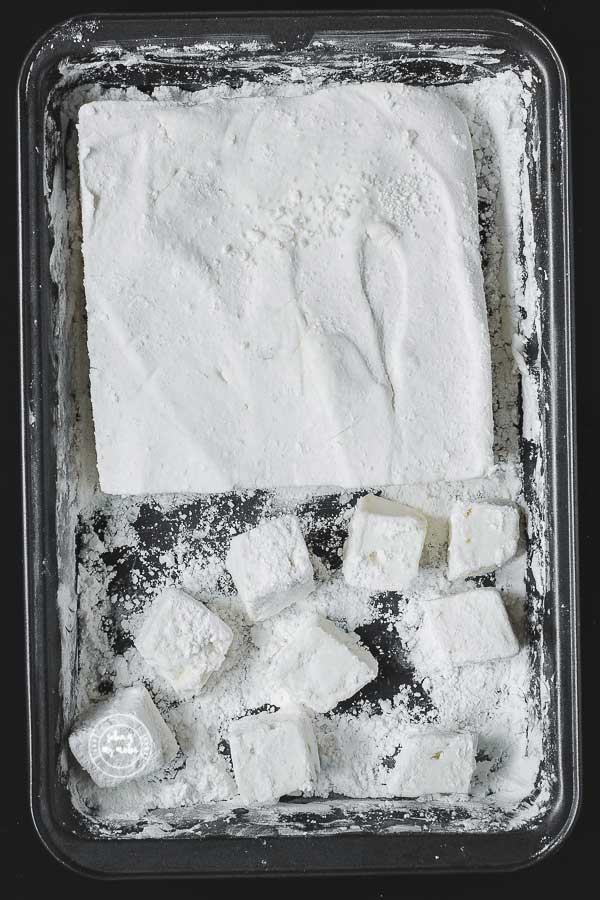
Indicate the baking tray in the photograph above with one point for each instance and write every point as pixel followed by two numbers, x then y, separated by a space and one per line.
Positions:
pixel 366 848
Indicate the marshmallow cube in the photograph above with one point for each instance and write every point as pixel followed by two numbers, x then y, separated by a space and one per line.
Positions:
pixel 183 640
pixel 273 754
pixel 323 665
pixel 434 762
pixel 472 627
pixel 384 545
pixel 122 738
pixel 483 536
pixel 270 567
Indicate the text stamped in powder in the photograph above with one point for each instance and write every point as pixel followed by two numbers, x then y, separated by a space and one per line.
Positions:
pixel 120 745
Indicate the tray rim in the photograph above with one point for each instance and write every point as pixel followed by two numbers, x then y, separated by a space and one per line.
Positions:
pixel 74 851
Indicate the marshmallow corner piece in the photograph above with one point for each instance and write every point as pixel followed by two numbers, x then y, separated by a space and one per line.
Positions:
pixel 471 627
pixel 483 536
pixel 321 665
pixel 274 754
pixel 384 546
pixel 270 567
pixel 183 640
pixel 434 762
pixel 122 738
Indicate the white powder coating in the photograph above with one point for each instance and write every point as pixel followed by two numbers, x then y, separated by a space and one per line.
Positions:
pixel 122 739
pixel 472 627
pixel 483 536
pixel 384 546
pixel 434 762
pixel 270 567
pixel 322 665
pixel 183 640
pixel 274 754
pixel 275 319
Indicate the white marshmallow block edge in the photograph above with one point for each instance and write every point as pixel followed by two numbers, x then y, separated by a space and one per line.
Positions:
pixel 483 536
pixel 471 627
pixel 435 762
pixel 384 546
pixel 273 754
pixel 323 665
pixel 122 738
pixel 270 567
pixel 183 640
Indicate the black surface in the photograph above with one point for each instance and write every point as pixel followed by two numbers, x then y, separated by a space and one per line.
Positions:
pixel 25 862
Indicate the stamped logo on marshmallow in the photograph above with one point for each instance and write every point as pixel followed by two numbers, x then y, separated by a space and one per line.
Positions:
pixel 120 745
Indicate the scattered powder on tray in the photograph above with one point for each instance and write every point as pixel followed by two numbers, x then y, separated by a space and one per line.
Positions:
pixel 130 547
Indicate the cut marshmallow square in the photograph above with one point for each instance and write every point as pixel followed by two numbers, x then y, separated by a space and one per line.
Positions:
pixel 483 536
pixel 384 546
pixel 183 640
pixel 323 665
pixel 273 754
pixel 472 627
pixel 122 738
pixel 434 762
pixel 270 567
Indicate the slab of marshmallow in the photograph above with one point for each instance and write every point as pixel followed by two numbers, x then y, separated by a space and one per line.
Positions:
pixel 385 541
pixel 183 640
pixel 434 762
pixel 472 627
pixel 284 291
pixel 273 754
pixel 483 536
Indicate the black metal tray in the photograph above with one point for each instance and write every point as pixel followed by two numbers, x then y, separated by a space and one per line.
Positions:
pixel 417 847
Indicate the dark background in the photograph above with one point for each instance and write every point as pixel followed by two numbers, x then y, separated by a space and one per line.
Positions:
pixel 25 866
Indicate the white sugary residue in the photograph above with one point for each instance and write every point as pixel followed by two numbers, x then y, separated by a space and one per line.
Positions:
pixel 498 701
